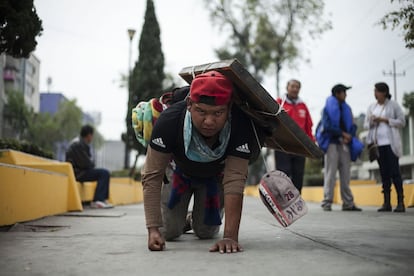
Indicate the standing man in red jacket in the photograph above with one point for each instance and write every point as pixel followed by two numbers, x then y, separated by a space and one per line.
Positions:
pixel 294 165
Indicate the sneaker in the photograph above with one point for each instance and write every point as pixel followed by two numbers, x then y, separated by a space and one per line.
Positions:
pixel 109 204
pixel 351 208
pixel 101 205
pixel 327 208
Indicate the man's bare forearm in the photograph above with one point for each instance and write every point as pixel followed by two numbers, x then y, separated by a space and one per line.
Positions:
pixel 233 204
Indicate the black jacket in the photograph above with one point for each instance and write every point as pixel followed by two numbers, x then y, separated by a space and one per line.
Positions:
pixel 79 154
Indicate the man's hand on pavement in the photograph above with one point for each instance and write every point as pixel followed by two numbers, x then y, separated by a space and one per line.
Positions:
pixel 155 240
pixel 226 245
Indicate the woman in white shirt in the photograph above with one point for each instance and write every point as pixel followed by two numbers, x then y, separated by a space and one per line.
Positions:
pixel 384 120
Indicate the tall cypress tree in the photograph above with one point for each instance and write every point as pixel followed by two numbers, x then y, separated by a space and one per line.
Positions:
pixel 148 74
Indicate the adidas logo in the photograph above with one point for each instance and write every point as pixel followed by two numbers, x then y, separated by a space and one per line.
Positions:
pixel 243 148
pixel 158 142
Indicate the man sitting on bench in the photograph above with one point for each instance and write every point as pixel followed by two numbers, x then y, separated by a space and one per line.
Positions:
pixel 79 154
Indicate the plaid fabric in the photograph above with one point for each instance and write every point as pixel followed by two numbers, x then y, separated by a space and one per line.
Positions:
pixel 181 184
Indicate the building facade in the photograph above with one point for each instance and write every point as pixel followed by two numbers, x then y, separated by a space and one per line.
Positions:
pixel 50 102
pixel 19 75
pixel 22 75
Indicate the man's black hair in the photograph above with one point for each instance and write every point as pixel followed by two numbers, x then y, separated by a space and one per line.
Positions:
pixel 86 130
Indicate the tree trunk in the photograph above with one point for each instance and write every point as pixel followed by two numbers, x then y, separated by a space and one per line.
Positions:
pixel 278 69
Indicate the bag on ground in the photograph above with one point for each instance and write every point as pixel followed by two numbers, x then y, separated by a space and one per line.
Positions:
pixel 281 198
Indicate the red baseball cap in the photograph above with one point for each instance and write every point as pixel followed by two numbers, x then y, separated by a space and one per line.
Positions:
pixel 211 88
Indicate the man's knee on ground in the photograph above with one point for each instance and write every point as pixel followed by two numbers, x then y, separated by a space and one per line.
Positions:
pixel 172 235
pixel 206 232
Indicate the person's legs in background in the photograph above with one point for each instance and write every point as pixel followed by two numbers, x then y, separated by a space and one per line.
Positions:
pixel 298 169
pixel 284 163
pixel 390 172
pixel 383 163
pixel 330 168
pixel 344 167
pixel 101 176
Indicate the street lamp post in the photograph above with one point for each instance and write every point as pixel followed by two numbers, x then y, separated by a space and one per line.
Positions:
pixel 131 33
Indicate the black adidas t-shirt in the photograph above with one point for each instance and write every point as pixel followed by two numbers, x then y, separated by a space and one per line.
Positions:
pixel 167 137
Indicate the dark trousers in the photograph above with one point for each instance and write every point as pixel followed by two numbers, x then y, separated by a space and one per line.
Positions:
pixel 389 169
pixel 293 166
pixel 102 186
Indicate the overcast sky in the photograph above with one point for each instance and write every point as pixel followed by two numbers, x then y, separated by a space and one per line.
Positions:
pixel 84 49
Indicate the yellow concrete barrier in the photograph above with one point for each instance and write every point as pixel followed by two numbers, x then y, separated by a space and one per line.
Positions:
pixel 360 182
pixel 74 202
pixel 364 194
pixel 122 190
pixel 39 176
pixel 86 190
pixel 314 194
pixel 16 157
pixel 32 161
pixel 27 194
pixel 410 197
pixel 251 190
pixel 371 195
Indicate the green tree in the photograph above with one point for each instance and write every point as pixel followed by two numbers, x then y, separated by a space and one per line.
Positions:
pixel 43 131
pixel 16 114
pixel 266 34
pixel 404 18
pixel 19 26
pixel 46 130
pixel 147 77
pixel 68 119
pixel 408 102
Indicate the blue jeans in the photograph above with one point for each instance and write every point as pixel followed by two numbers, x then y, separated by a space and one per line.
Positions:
pixel 102 186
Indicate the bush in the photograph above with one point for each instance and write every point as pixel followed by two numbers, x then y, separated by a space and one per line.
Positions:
pixel 26 147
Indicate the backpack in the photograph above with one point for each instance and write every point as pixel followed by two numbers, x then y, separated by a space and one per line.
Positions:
pixel 146 113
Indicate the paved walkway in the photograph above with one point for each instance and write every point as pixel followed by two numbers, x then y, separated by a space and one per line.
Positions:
pixel 114 242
